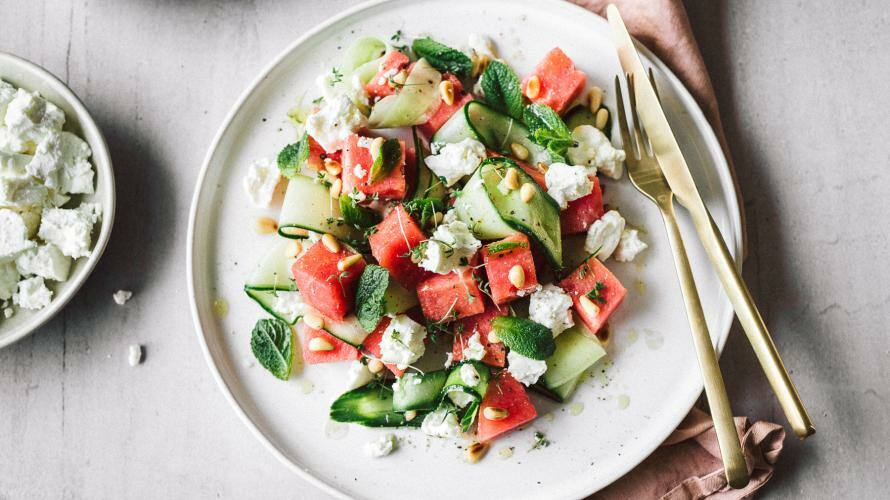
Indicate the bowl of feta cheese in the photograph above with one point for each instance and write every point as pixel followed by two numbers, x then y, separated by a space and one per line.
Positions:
pixel 57 196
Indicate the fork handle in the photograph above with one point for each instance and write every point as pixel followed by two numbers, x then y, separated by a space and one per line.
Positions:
pixel 727 437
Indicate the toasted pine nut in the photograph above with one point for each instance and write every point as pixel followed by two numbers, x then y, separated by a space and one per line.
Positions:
pixel 596 99
pixel 511 178
pixel 493 337
pixel 438 217
pixel 332 167
pixel 533 87
pixel 348 261
pixel 294 231
pixel 399 78
pixel 479 64
pixel 293 249
pixel 330 242
pixel 602 117
pixel 313 321
pixel 495 413
pixel 519 151
pixel 446 90
pixel 320 344
pixel 476 451
pixel 541 167
pixel 265 225
pixel 409 415
pixel 375 366
pixel 517 276
pixel 588 306
pixel 336 188
pixel 527 192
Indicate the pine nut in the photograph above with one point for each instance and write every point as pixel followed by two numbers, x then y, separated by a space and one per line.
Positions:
pixel 517 276
pixel 313 321
pixel 479 64
pixel 602 117
pixel 332 167
pixel 336 188
pixel 320 344
pixel 438 217
pixel 493 337
pixel 265 225
pixel 294 231
pixel 511 178
pixel 375 366
pixel 494 413
pixel 519 151
pixel 476 451
pixel 527 192
pixel 446 90
pixel 533 87
pixel 409 415
pixel 596 99
pixel 588 306
pixel 541 167
pixel 349 261
pixel 399 78
pixel 330 242
pixel 293 249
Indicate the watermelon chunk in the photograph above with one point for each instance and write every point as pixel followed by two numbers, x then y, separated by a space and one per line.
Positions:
pixel 322 285
pixel 581 213
pixel 355 153
pixel 445 297
pixel 583 280
pixel 498 265
pixel 379 86
pixel 316 156
pixel 495 352
pixel 561 82
pixel 372 345
pixel 444 111
pixel 341 352
pixel 391 245
pixel 504 392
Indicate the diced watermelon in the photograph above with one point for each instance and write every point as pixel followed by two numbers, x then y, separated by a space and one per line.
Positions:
pixel 341 352
pixel 379 85
pixel 316 156
pixel 322 285
pixel 372 345
pixel 498 265
pixel 444 111
pixel 445 297
pixel 392 187
pixel 581 213
pixel 495 352
pixel 506 393
pixel 391 245
pixel 561 82
pixel 583 280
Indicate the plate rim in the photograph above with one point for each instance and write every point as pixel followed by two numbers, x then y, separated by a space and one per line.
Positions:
pixel 724 177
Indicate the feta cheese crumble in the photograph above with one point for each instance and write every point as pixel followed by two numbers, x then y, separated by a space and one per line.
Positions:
pixel 456 160
pixel 289 304
pixel 9 279
pixel 122 296
pixel 261 182
pixel 381 447
pixel 595 151
pixel 551 307
pixel 45 261
pixel 468 374
pixel 402 342
pixel 450 247
pixel 334 122
pixel 358 375
pixel 604 234
pixel 525 370
pixel 32 294
pixel 441 423
pixel 134 354
pixel 566 183
pixel 629 246
pixel 69 229
pixel 13 235
pixel 474 350
pixel 449 357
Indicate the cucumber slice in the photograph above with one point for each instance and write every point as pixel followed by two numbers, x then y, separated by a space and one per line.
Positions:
pixel 474 207
pixel 575 353
pixel 398 299
pixel 419 392
pixel 561 392
pixel 348 329
pixel 361 52
pixel 268 300
pixel 308 206
pixel 371 406
pixel 412 104
pixel 455 129
pixel 456 384
pixel 498 131
pixel 273 272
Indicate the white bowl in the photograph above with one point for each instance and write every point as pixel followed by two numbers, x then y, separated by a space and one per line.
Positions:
pixel 29 76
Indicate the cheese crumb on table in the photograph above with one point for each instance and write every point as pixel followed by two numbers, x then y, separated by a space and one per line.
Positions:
pixel 122 296
pixel 134 354
pixel 381 447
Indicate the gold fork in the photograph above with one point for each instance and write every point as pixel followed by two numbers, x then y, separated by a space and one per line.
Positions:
pixel 646 175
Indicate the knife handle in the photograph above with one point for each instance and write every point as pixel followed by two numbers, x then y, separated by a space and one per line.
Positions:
pixel 734 465
pixel 752 323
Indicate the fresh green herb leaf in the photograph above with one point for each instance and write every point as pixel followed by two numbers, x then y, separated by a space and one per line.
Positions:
pixel 336 76
pixel 397 36
pixel 548 130
pixel 293 156
pixel 469 416
pixel 443 57
pixel 318 100
pixel 390 155
pixel 356 215
pixel 541 441
pixel 503 246
pixel 502 89
pixel 596 294
pixel 272 344
pixel 370 299
pixel 423 209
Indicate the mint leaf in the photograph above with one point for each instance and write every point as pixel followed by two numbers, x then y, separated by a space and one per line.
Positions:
pixel 356 215
pixel 502 89
pixel 272 344
pixel 370 298
pixel 293 156
pixel 548 130
pixel 503 246
pixel 390 155
pixel 443 57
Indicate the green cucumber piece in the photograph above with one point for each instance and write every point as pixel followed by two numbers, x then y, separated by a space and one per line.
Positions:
pixel 410 105
pixel 371 406
pixel 474 207
pixel 455 129
pixel 348 330
pixel 560 393
pixel 398 299
pixel 308 205
pixel 361 52
pixel 581 115
pixel 575 352
pixel 455 382
pixel 266 299
pixel 273 271
pixel 419 392
pixel 499 131
pixel 530 339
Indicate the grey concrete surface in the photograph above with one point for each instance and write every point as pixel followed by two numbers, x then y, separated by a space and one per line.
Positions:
pixel 801 90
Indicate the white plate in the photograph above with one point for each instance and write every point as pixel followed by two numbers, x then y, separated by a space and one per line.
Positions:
pixel 29 76
pixel 627 411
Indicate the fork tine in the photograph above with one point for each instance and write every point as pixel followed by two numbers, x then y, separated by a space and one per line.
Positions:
pixel 638 133
pixel 622 119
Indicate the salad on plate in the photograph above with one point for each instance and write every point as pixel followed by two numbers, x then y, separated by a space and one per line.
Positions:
pixel 442 235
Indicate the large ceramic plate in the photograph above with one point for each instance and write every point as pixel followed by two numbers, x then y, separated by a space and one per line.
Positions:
pixel 613 422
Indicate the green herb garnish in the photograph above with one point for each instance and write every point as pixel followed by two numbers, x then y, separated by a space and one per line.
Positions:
pixel 502 89
pixel 596 294
pixel 356 215
pixel 370 299
pixel 541 441
pixel 548 130
pixel 272 344
pixel 423 209
pixel 443 57
pixel 292 157
pixel 390 155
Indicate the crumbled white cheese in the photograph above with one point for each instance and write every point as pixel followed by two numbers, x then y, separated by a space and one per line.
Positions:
pixel 69 229
pixel 449 357
pixel 22 192
pixel 402 342
pixel 9 279
pixel 460 398
pixel 441 423
pixel 595 151
pixel 474 350
pixel 566 183
pixel 525 370
pixel 381 447
pixel 358 375
pixel 261 182
pixel 357 195
pixel 134 354
pixel 334 122
pixel 454 161
pixel 29 119
pixel 45 261
pixel 551 307
pixel 289 304
pixel 450 247
pixel 122 296
pixel 32 294
pixel 62 162
pixel 359 172
pixel 468 374
pixel 13 235
pixel 7 94
pixel 629 246
pixel 604 234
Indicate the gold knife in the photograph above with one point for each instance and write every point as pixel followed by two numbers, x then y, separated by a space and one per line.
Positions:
pixel 676 171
